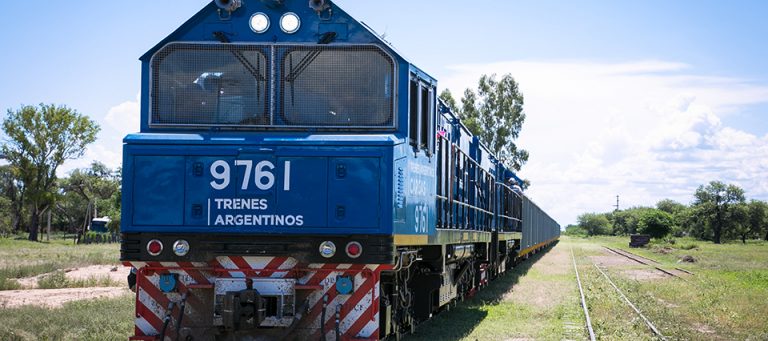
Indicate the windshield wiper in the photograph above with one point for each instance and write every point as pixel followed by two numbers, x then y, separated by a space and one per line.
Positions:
pixel 254 71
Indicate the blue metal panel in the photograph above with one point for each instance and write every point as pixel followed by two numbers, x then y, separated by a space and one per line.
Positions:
pixel 158 190
pixel 353 192
pixel 419 197
pixel 200 196
pixel 309 190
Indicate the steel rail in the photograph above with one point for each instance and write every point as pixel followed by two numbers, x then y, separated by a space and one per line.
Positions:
pixel 583 300
pixel 638 259
pixel 647 321
pixel 638 256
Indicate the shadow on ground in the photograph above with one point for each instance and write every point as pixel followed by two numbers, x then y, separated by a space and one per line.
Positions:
pixel 459 321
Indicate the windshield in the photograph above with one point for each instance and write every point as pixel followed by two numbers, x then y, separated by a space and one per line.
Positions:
pixel 196 84
pixel 337 87
pixel 231 86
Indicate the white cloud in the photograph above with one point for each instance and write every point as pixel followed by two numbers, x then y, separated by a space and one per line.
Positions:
pixel 124 117
pixel 644 130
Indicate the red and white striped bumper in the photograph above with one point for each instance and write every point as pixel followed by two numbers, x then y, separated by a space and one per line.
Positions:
pixel 314 285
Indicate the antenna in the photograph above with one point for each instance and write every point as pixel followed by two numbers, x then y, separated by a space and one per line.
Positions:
pixel 617 203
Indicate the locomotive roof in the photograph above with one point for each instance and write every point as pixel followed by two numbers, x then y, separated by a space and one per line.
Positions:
pixel 209 18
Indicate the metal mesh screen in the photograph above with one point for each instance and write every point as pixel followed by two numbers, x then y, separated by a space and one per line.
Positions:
pixel 331 86
pixel 207 84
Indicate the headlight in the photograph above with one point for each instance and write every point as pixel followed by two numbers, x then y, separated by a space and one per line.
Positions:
pixel 290 22
pixel 259 22
pixel 181 247
pixel 327 249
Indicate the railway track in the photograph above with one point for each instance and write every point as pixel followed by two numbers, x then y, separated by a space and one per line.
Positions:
pixel 583 300
pixel 653 329
pixel 675 272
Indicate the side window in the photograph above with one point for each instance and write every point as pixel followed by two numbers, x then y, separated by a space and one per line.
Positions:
pixel 421 118
pixel 427 119
pixel 413 117
pixel 424 118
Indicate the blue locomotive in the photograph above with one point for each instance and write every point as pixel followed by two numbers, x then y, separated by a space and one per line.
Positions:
pixel 296 178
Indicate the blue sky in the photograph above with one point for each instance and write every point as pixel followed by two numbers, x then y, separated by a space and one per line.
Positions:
pixel 645 99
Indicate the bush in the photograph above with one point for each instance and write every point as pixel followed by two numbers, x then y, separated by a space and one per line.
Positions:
pixel 8 284
pixel 594 223
pixel 575 230
pixel 655 223
pixel 54 280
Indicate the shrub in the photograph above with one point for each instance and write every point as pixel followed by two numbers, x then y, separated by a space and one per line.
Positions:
pixel 54 280
pixel 655 223
pixel 8 284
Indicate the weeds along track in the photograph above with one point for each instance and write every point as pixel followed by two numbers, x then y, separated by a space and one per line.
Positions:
pixel 583 301
pixel 631 305
pixel 621 294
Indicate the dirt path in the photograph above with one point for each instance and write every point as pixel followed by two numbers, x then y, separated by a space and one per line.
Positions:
pixel 537 288
pixel 53 298
pixel 56 297
pixel 115 273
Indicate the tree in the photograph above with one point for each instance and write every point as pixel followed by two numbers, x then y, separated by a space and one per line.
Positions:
pixel 96 187
pixel 594 223
pixel 626 221
pixel 714 203
pixel 655 223
pixel 758 217
pixel 574 230
pixel 738 222
pixel 39 140
pixel 670 206
pixel 10 190
pixel 494 114
pixel 676 209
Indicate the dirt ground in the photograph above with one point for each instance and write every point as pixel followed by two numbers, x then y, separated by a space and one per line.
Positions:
pixel 115 273
pixel 56 297
pixel 539 290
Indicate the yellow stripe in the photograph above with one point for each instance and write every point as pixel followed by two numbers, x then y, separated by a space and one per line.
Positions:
pixel 410 239
pixel 528 250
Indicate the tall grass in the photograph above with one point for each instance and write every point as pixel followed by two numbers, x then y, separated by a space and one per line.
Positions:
pixel 58 280
pixel 99 319
pixel 21 258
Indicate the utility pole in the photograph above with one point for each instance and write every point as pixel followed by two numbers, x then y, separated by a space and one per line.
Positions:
pixel 617 203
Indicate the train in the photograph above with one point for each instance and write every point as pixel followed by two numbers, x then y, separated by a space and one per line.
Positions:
pixel 295 177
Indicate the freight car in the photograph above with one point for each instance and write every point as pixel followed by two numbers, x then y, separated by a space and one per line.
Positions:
pixel 295 177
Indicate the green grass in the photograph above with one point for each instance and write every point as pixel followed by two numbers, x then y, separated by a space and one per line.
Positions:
pixel 726 299
pixel 489 316
pixel 100 319
pixel 21 258
pixel 58 280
